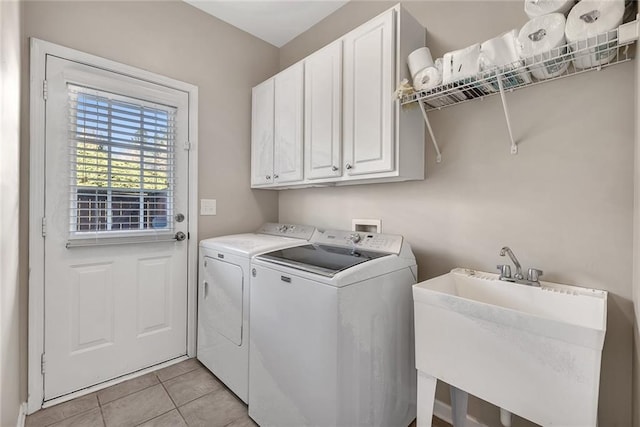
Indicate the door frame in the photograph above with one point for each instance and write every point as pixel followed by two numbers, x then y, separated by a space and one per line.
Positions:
pixel 39 51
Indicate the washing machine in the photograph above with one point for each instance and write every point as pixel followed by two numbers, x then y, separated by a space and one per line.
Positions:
pixel 331 340
pixel 223 298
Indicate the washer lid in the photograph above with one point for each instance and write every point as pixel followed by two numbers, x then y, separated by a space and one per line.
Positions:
pixel 324 260
pixel 249 244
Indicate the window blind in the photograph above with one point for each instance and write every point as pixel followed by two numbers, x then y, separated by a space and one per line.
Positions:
pixel 122 164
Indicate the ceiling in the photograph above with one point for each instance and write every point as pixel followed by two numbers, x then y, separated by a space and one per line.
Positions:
pixel 276 22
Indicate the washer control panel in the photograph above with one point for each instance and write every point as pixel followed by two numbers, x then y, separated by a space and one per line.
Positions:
pixel 289 230
pixel 390 243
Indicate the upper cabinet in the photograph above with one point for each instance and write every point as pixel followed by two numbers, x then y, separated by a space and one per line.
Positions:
pixel 323 113
pixel 354 128
pixel 276 129
pixel 287 134
pixel 369 80
pixel 262 134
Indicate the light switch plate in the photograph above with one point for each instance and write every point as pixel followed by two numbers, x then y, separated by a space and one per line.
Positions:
pixel 208 206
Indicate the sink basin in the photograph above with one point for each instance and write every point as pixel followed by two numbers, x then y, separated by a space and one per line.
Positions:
pixel 534 351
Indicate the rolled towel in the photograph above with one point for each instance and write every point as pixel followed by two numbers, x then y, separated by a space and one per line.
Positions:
pixel 592 23
pixel 535 8
pixel 542 45
pixel 461 64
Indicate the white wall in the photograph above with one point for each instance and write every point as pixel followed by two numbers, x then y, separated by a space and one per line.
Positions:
pixel 563 204
pixel 11 390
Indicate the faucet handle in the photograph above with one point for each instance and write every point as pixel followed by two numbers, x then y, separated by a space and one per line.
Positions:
pixel 533 275
pixel 505 270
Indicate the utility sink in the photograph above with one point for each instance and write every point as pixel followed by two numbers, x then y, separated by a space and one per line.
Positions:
pixel 533 351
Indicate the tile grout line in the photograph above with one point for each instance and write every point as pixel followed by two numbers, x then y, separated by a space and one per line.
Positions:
pixel 165 390
pixel 180 374
pixel 128 394
pixel 157 416
pixel 104 423
pixel 71 416
pixel 174 403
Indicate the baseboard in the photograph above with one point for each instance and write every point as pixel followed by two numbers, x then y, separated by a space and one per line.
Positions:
pixel 443 411
pixel 22 415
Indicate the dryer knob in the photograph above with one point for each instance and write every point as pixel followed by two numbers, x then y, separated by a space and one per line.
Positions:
pixel 253 272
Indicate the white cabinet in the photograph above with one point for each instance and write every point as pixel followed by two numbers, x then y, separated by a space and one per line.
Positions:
pixel 262 134
pixel 323 113
pixel 355 131
pixel 287 161
pixel 369 79
pixel 276 130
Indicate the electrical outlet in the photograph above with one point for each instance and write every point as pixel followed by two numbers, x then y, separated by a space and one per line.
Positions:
pixel 208 206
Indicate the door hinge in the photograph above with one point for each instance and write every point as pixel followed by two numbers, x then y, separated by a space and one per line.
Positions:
pixel 45 90
pixel 187 145
pixel 44 226
pixel 42 363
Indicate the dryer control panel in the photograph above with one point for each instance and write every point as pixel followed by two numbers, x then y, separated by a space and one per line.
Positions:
pixel 289 230
pixel 389 243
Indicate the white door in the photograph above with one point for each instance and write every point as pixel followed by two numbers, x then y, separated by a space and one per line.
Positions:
pixel 115 213
pixel 262 133
pixel 368 96
pixel 323 113
pixel 288 106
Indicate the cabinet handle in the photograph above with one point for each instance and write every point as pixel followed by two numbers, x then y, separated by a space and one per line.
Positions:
pixel 348 166
pixel 268 177
pixel 334 168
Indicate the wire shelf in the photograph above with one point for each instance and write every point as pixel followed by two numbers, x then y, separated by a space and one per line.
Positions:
pixel 570 59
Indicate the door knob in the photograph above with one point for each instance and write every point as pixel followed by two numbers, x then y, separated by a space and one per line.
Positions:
pixel 179 217
pixel 180 236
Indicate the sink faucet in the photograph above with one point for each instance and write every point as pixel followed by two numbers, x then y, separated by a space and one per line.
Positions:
pixel 533 274
pixel 507 250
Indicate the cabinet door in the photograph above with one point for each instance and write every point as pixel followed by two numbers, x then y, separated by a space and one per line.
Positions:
pixel 369 78
pixel 288 125
pixel 323 113
pixel 262 133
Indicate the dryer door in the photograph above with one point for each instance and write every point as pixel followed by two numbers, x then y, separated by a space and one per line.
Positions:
pixel 221 303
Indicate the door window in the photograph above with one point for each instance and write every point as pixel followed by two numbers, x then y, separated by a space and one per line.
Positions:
pixel 122 164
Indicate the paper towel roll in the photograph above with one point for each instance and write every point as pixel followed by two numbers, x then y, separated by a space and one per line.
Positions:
pixel 535 8
pixel 499 51
pixel 542 43
pixel 461 64
pixel 502 52
pixel 418 60
pixel 590 23
pixel 427 79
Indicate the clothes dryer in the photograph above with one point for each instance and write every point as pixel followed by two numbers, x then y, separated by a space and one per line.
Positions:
pixel 223 298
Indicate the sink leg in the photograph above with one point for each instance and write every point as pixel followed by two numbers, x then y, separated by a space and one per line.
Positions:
pixel 459 400
pixel 426 397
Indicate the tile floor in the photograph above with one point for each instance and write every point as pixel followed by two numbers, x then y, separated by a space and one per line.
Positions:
pixel 184 394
